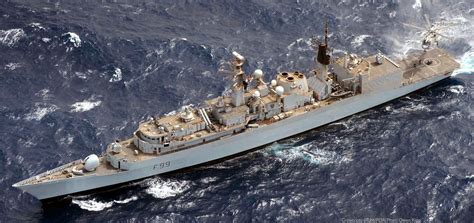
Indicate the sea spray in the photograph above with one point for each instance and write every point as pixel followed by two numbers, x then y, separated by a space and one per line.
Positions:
pixel 467 64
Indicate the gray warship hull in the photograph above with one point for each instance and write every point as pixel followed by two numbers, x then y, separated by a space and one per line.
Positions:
pixel 226 146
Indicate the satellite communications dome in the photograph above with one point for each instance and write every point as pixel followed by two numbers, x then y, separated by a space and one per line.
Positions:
pixel 274 83
pixel 91 162
pixel 279 90
pixel 258 74
pixel 256 94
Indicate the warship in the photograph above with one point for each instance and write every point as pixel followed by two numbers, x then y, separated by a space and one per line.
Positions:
pixel 253 114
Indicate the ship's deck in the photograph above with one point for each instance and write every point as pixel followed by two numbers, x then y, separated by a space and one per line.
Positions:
pixel 425 64
pixel 67 170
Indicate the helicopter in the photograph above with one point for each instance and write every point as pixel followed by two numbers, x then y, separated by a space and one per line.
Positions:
pixel 431 33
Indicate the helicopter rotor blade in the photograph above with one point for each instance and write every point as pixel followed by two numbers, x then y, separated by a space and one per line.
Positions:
pixel 444 36
pixel 432 33
pixel 413 26
pixel 427 19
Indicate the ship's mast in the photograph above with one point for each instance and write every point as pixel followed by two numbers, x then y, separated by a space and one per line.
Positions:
pixel 326 31
pixel 323 57
pixel 237 96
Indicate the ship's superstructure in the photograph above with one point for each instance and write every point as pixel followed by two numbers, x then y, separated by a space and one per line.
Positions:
pixel 255 113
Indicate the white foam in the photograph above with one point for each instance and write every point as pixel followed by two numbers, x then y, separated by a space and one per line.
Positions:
pixel 417 6
pixel 392 14
pixel 431 209
pixel 43 93
pixel 158 53
pixel 81 75
pixel 12 66
pixel 414 107
pixel 29 143
pixel 74 39
pixel 206 74
pixel 128 200
pixel 298 42
pixel 85 105
pixel 40 111
pixel 11 37
pixel 46 40
pixel 164 188
pixel 358 40
pixel 67 140
pixel 305 152
pixel 13 117
pixel 207 180
pixel 418 107
pixel 467 64
pixel 457 89
pixel 116 76
pixel 94 205
pixel 19 158
pixel 37 26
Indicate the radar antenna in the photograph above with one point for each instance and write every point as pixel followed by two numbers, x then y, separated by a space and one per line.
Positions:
pixel 326 31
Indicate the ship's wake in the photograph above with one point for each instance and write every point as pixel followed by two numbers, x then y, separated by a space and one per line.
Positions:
pixel 457 89
pixel 92 204
pixel 306 152
pixel 158 187
pixel 164 188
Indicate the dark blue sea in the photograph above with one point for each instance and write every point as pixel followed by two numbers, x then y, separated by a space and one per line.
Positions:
pixel 77 74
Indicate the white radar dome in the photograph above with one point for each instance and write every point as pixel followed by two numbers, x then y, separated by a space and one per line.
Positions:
pixel 274 83
pixel 258 74
pixel 256 94
pixel 279 90
pixel 91 162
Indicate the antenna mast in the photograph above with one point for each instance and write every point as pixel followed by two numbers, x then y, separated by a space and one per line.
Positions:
pixel 323 54
pixel 326 31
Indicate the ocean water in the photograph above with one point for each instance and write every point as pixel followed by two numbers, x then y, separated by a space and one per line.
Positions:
pixel 76 75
